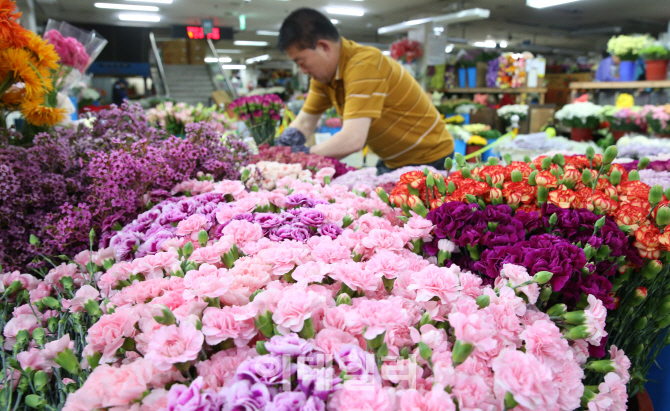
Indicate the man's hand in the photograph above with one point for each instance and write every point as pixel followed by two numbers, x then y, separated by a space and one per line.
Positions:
pixel 291 137
pixel 349 140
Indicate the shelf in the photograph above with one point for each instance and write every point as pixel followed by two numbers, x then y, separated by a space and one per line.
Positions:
pixel 595 85
pixel 494 90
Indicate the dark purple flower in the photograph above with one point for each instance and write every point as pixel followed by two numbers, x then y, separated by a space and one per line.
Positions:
pixel 290 344
pixel 498 213
pixel 546 252
pixel 288 401
pixel 471 235
pixel 312 218
pixel 492 260
pixel 171 216
pixel 450 217
pixel 511 232
pixel 531 220
pixel 600 350
pixel 329 229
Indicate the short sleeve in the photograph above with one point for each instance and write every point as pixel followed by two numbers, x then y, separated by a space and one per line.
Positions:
pixel 365 90
pixel 317 99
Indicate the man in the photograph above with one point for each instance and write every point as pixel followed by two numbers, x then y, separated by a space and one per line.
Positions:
pixel 608 68
pixel 381 104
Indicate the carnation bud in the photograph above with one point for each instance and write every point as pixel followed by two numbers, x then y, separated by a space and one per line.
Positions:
pixel 167 318
pixel 68 361
pixel 347 220
pixel 448 163
pixel 542 194
pixel 558 159
pixel 245 174
pixel 425 351
pixel 254 188
pixel 417 206
pixel 542 277
pixel 553 219
pixel 633 176
pixel 470 198
pixel 663 216
pixel 35 401
pixel 546 292
pixel 382 195
pixel 602 366
pixel 40 380
pixel 376 342
pixel 587 177
pixel 610 154
pixel 531 178
pixel 574 317
pixel 52 324
pixel 656 194
pixel 527 159
pixel 667 194
pixel 451 187
pixel 651 269
pixel 343 299
pixel 664 323
pixel 546 163
pixel 601 222
pixel 430 181
pixel 33 239
pixel 643 163
pixel 260 348
pixel 640 323
pixel 517 177
pixel 460 160
pixel 203 237
pixel 460 352
pixel 265 325
pixel 326 180
pixel 508 158
pixel 308 330
pixel 483 301
pixel 590 153
pixel 664 308
pixel 188 249
pixel 493 161
pixel 637 350
pixel 577 333
pixel 51 303
pixel 639 296
pixel 39 336
pixel 22 338
pixel 466 173
pixel 14 287
pixel 425 319
pixel 510 402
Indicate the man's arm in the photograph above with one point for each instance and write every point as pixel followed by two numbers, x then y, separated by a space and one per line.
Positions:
pixel 305 122
pixel 349 140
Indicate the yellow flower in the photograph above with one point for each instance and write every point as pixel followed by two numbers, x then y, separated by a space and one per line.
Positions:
pixel 477 141
pixel 17 63
pixel 455 119
pixel 44 52
pixel 624 100
pixel 36 113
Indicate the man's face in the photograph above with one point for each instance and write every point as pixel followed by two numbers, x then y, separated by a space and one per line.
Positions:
pixel 319 63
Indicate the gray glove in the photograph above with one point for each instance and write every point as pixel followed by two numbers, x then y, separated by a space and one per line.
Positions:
pixel 300 148
pixel 291 137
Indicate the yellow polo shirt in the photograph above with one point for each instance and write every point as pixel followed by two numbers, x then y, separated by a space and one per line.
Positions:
pixel 406 127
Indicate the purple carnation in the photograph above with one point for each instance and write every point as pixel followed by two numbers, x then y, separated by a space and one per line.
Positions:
pixel 300 232
pixel 329 229
pixel 295 200
pixel 312 218
pixel 288 401
pixel 246 217
pixel 450 217
pixel 245 395
pixel 267 220
pixel 290 344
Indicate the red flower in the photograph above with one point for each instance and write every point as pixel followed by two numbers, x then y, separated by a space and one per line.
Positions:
pixel 516 193
pixel 647 243
pixel 631 216
pixel 633 189
pixel 572 175
pixel 562 198
pixel 546 179
pixel 517 165
pixel 497 174
pixel 579 162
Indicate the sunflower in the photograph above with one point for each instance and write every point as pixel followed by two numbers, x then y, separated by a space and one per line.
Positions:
pixel 11 33
pixel 37 114
pixel 44 52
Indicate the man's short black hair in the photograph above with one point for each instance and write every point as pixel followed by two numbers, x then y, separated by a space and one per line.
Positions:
pixel 304 27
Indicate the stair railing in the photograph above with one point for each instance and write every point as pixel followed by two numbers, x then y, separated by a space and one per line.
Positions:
pixel 159 63
pixel 226 77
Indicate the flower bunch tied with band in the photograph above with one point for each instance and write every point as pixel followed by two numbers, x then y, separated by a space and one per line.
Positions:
pixel 588 221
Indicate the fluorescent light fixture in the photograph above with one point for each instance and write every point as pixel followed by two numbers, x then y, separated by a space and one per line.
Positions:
pixel 459 17
pixel 250 43
pixel 221 60
pixel 346 11
pixel 151 18
pixel 153 1
pixel 334 21
pixel 540 4
pixel 125 7
pixel 228 51
pixel 490 44
pixel 386 52
pixel 503 44
pixel 233 66
pixel 449 48
pixel 258 59
pixel 267 33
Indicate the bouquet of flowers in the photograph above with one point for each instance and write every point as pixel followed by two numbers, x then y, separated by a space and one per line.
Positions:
pixel 627 48
pixel 607 225
pixel 261 114
pixel 624 119
pixel 406 50
pixel 492 73
pixel 311 162
pixel 580 115
pixel 175 117
pixel 657 118
pixel 506 112
pixel 511 71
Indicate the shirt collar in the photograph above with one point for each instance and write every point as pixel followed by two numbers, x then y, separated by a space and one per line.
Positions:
pixel 345 53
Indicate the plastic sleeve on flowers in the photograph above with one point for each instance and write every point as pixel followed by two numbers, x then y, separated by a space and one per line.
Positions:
pixel 291 137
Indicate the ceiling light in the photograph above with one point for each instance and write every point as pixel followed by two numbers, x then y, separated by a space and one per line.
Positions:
pixel 267 33
pixel 152 18
pixel 540 4
pixel 490 44
pixel 334 21
pixel 228 51
pixel 125 7
pixel 221 60
pixel 449 48
pixel 459 17
pixel 346 11
pixel 250 43
pixel 503 44
pixel 153 1
pixel 258 58
pixel 233 66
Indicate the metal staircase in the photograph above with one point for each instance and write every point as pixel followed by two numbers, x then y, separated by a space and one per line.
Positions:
pixel 190 84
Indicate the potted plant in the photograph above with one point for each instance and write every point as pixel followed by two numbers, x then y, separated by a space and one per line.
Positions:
pixel 658 119
pixel 628 49
pixel 583 118
pixel 466 64
pixel 623 120
pixel 656 60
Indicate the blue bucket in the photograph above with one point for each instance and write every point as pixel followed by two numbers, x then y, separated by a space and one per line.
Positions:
pixel 472 77
pixel 461 77
pixel 75 115
pixel 627 71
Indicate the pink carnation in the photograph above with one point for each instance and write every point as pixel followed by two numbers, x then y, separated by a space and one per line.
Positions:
pixel 435 400
pixel 380 238
pixel 53 348
pixel 355 277
pixel 220 324
pixel 435 281
pixel 311 272
pixel 108 334
pixel 212 254
pixel 329 341
pixel 84 294
pixel 174 344
pixel 221 367
pixel 544 340
pixel 21 322
pixel 477 329
pixel 518 275
pixel 611 395
pixel 353 397
pixel 621 363
pixel 206 282
pixel 192 226
pixel 34 359
pixel 388 263
pixel 243 231
pixel 152 266
pixel 295 305
pixel 595 314
pixel 376 316
pixel 418 227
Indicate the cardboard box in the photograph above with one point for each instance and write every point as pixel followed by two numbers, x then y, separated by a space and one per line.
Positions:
pixel 221 97
pixel 482 69
pixel 174 57
pixel 177 44
pixel 197 51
